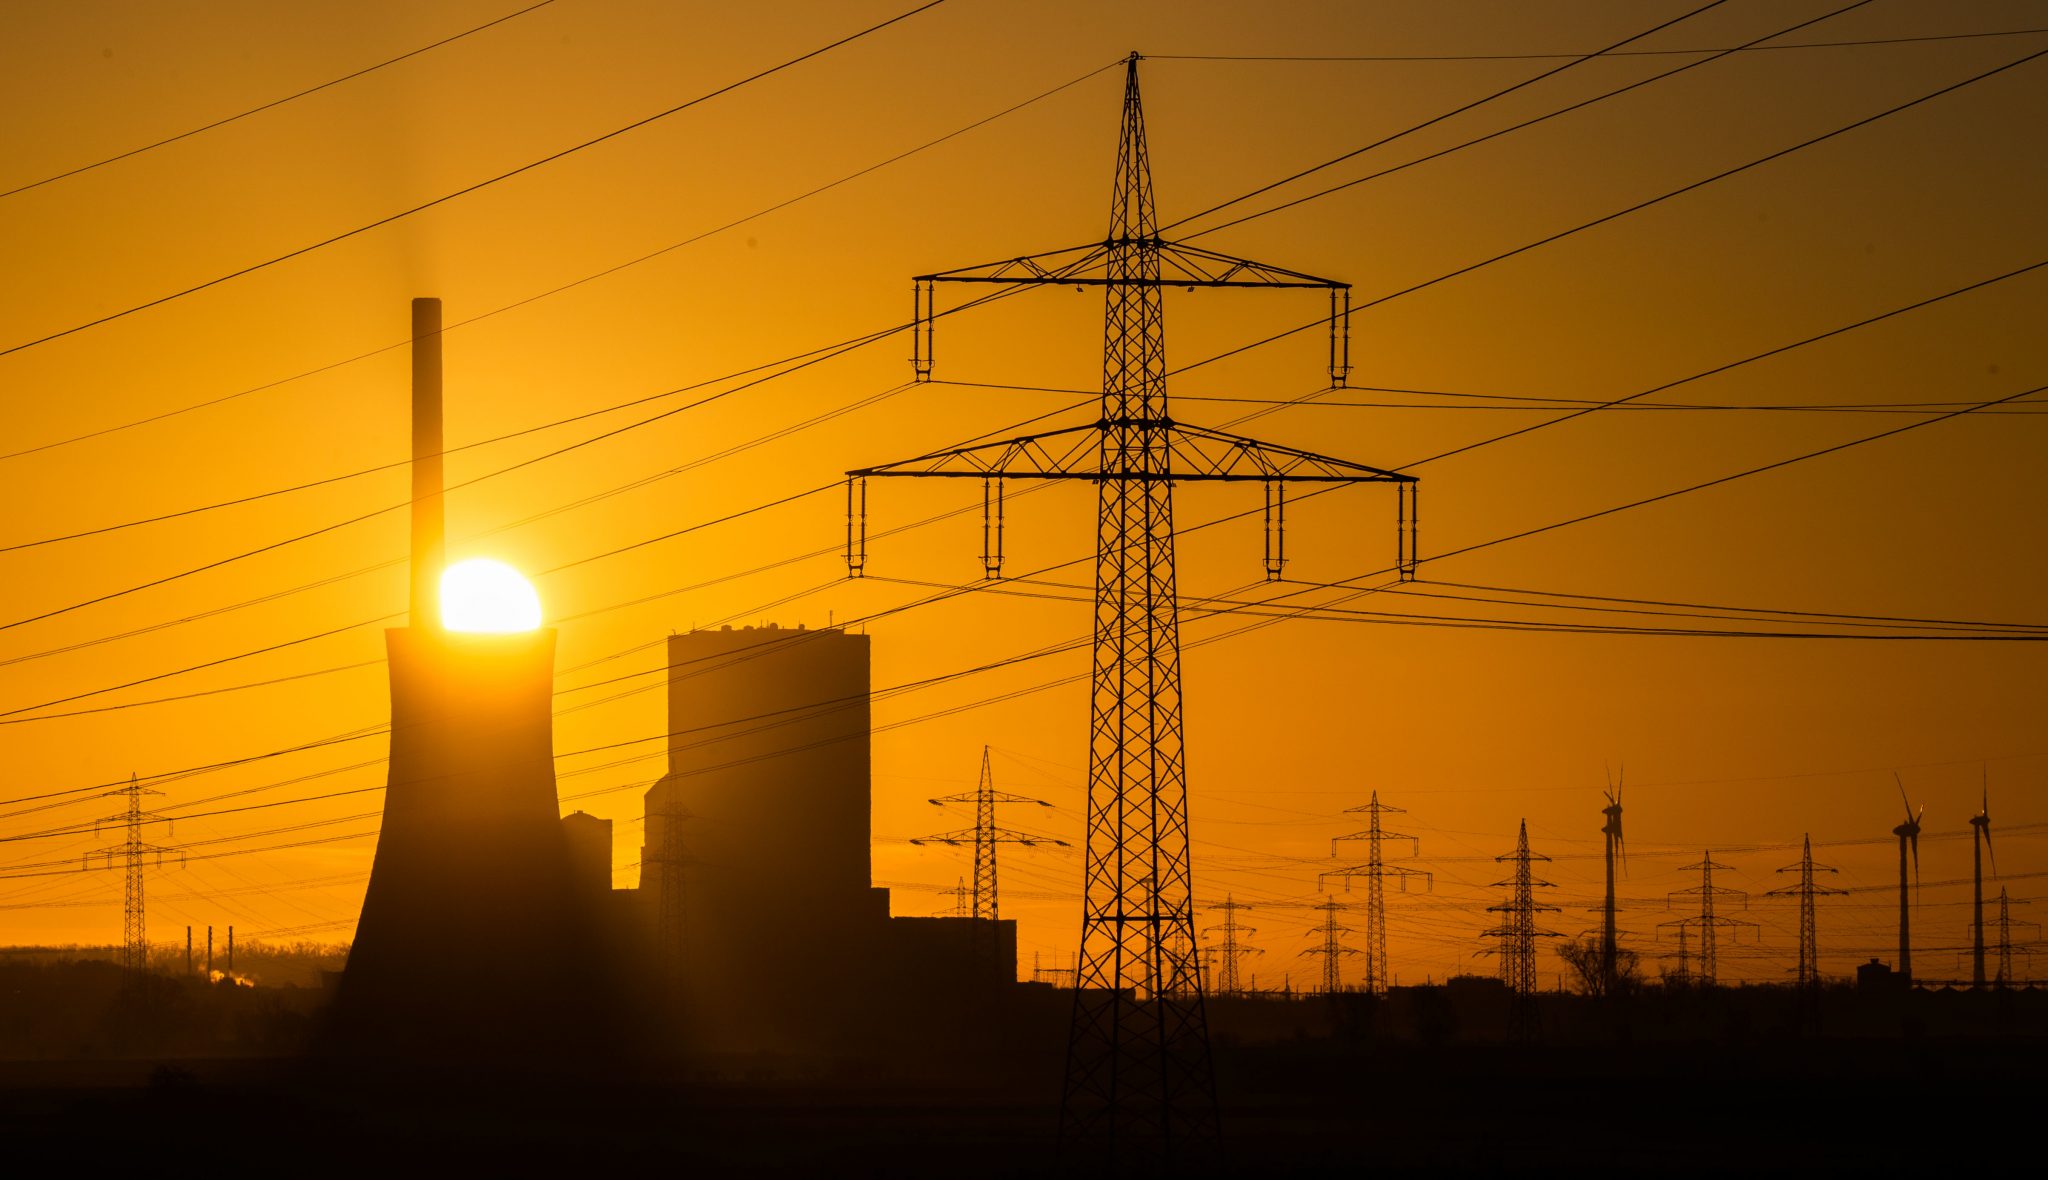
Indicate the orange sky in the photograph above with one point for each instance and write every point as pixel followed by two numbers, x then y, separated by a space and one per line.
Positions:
pixel 1730 743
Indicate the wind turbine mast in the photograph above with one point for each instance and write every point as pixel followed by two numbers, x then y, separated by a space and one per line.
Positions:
pixel 1909 837
pixel 1980 843
pixel 1609 984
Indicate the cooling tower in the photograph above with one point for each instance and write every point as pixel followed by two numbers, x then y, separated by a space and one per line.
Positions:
pixel 472 940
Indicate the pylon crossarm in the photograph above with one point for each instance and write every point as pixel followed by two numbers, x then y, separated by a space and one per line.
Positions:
pixel 1195 454
pixel 1180 265
pixel 1203 454
pixel 1368 833
pixel 1057 454
pixel 998 836
pixel 993 797
pixel 1381 870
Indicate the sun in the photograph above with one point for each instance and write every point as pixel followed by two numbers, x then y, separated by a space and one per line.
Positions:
pixel 487 596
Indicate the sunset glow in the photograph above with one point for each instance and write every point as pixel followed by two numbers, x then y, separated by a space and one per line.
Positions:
pixel 481 595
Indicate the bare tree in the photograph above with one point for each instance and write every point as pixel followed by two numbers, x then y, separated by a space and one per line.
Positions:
pixel 1583 957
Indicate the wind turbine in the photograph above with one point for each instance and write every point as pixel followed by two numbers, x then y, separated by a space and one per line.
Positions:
pixel 1980 844
pixel 1909 836
pixel 1611 830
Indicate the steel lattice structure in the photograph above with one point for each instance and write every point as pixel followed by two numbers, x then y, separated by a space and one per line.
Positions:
pixel 1332 949
pixel 1230 950
pixel 984 837
pixel 1376 870
pixel 1518 932
pixel 1707 923
pixel 671 922
pixel 133 853
pixel 2005 944
pixel 1809 934
pixel 1139 1079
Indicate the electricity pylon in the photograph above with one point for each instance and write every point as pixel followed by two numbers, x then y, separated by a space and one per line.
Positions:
pixel 2004 946
pixel 1707 923
pixel 1806 891
pixel 1375 870
pixel 669 855
pixel 1139 1078
pixel 133 852
pixel 1230 950
pixel 962 896
pixel 1518 933
pixel 1332 948
pixel 984 836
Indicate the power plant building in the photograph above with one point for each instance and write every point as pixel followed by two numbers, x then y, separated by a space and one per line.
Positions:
pixel 764 815
pixel 768 779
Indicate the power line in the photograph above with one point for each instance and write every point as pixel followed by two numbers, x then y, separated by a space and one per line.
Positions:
pixel 1682 607
pixel 12 716
pixel 466 190
pixel 1548 115
pixel 1321 321
pixel 1455 111
pixel 272 104
pixel 1601 220
pixel 1739 474
pixel 1750 48
pixel 574 283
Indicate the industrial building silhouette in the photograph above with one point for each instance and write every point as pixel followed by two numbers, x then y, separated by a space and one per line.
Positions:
pixel 490 928
pixel 782 943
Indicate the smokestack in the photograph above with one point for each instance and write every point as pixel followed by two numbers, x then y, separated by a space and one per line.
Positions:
pixel 428 525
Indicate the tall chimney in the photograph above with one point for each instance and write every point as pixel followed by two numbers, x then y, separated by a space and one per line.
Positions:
pixel 428 525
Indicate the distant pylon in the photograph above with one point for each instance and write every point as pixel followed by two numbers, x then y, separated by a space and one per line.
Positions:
pixel 2004 945
pixel 1230 950
pixel 1707 923
pixel 1332 948
pixel 1806 891
pixel 1518 933
pixel 670 855
pixel 1375 870
pixel 984 837
pixel 963 899
pixel 133 852
pixel 1139 1078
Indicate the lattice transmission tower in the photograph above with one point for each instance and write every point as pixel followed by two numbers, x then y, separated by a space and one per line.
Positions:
pixel 963 899
pixel 2005 945
pixel 1376 870
pixel 1139 1078
pixel 1707 924
pixel 1231 949
pixel 983 837
pixel 1332 948
pixel 667 860
pixel 1518 933
pixel 1806 890
pixel 133 854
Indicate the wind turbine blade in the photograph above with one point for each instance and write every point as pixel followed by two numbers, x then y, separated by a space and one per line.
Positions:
pixel 1988 849
pixel 1902 795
